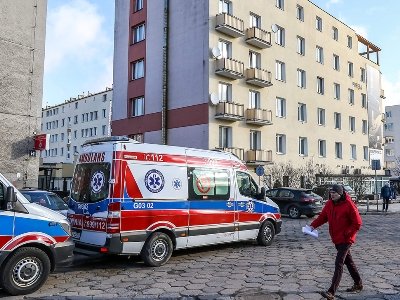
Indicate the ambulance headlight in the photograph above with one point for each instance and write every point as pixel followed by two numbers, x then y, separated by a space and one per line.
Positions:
pixel 66 227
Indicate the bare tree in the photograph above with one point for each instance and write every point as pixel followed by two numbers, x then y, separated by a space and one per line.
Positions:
pixel 396 168
pixel 358 183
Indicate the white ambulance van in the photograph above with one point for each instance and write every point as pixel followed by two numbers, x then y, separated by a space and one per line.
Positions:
pixel 34 240
pixel 132 198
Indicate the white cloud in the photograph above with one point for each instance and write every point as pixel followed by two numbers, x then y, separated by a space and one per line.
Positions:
pixel 332 2
pixel 74 34
pixel 392 90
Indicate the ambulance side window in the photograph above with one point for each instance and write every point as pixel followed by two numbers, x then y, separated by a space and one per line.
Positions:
pixel 2 196
pixel 208 184
pixel 246 185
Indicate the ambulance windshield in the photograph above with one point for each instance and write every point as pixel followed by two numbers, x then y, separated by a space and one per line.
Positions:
pixel 90 182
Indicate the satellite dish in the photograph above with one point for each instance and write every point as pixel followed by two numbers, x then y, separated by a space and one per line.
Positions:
pixel 274 28
pixel 214 99
pixel 215 52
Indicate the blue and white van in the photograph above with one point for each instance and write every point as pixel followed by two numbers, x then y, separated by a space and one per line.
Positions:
pixel 33 241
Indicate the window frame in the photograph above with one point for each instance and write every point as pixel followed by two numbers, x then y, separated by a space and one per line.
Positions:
pixel 135 72
pixel 137 106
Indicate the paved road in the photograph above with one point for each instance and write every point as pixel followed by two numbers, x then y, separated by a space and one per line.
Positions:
pixel 295 267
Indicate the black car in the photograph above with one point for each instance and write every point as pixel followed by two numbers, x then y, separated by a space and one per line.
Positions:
pixel 296 202
pixel 46 199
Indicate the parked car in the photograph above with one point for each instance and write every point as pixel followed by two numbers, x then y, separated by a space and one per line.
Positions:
pixel 323 191
pixel 296 202
pixel 46 199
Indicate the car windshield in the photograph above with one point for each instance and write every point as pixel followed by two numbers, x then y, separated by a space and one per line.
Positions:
pixel 45 199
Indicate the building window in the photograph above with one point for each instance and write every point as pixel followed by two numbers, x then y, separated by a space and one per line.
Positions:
pixel 255 20
pixel 353 151
pixel 254 100
pixel 365 153
pixel 280 71
pixel 302 112
pixel 138 5
pixel 337 118
pixel 280 143
pixel 336 91
pixel 280 107
pixel 76 105
pixel 352 124
pixel 301 78
pixel 389 152
pixel 338 150
pixel 320 85
pixel 138 137
pixel 224 92
pixel 255 140
pixel 303 146
pixel 362 75
pixel 363 100
pixel 280 36
pixel 319 54
pixel 75 119
pixel 349 42
pixel 351 96
pixel 318 23
pixel 225 137
pixel 104 97
pixel 280 4
pixel 254 60
pixel 62 136
pixel 300 13
pixel 336 62
pixel 322 148
pixel 226 48
pixel 138 69
pixel 138 33
pixel 350 69
pixel 62 122
pixel 388 114
pixel 364 127
pixel 388 126
pixel 321 116
pixel 225 6
pixel 104 112
pixel 335 33
pixel 301 45
pixel 138 106
pixel 104 130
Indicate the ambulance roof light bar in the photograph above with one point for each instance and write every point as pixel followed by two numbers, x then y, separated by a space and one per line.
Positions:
pixel 109 139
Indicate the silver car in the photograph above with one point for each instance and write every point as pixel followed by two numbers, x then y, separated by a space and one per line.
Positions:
pixel 46 199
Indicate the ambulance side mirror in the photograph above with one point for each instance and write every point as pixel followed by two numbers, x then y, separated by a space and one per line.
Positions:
pixel 10 197
pixel 261 196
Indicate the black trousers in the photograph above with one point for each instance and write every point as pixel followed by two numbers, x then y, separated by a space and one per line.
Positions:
pixel 385 204
pixel 343 257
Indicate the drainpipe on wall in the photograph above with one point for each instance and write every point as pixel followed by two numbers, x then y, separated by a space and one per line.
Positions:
pixel 164 111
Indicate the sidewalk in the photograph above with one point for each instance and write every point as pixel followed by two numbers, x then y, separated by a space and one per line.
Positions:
pixel 394 207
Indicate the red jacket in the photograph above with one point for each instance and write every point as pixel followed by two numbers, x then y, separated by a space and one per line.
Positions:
pixel 343 219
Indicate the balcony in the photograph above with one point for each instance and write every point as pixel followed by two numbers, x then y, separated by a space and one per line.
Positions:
pixel 258 37
pixel 230 111
pixel 382 94
pixel 230 25
pixel 230 68
pixel 258 116
pixel 258 77
pixel 258 156
pixel 238 152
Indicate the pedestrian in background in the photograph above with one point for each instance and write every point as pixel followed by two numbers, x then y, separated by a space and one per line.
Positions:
pixel 392 192
pixel 385 195
pixel 344 222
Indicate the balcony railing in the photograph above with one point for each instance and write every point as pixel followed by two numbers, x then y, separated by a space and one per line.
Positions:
pixel 230 111
pixel 383 94
pixel 258 37
pixel 239 152
pixel 230 25
pixel 230 68
pixel 258 77
pixel 257 156
pixel 258 116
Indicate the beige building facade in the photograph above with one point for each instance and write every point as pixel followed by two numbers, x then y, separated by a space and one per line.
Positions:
pixel 271 81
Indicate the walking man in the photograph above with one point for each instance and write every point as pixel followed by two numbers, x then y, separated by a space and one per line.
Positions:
pixel 385 194
pixel 344 222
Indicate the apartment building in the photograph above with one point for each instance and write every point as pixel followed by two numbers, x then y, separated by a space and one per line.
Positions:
pixel 391 133
pixel 271 81
pixel 22 41
pixel 68 126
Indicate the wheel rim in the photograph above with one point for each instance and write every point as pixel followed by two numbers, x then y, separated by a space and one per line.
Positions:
pixel 159 250
pixel 27 271
pixel 293 212
pixel 267 233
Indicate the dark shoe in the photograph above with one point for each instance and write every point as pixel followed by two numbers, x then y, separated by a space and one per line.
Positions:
pixel 355 288
pixel 328 295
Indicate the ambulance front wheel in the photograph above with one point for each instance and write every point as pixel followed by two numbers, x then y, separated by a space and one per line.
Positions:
pixel 266 234
pixel 157 250
pixel 25 271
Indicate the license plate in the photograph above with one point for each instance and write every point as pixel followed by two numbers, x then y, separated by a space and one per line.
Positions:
pixel 75 234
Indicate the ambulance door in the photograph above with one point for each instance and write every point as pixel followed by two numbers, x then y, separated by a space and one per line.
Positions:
pixel 6 219
pixel 248 208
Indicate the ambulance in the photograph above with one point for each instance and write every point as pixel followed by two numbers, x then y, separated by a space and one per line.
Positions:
pixel 34 240
pixel 131 198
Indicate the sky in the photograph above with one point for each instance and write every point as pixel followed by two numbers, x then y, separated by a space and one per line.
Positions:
pixel 79 43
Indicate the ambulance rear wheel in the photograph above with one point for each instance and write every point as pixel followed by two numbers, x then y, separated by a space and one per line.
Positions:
pixel 157 250
pixel 25 271
pixel 266 234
